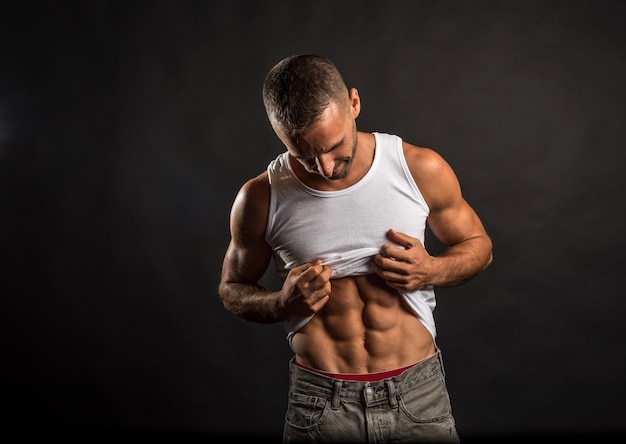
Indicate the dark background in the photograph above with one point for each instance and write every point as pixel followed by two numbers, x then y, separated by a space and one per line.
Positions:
pixel 126 128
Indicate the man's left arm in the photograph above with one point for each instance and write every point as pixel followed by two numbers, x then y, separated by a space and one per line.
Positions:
pixel 451 219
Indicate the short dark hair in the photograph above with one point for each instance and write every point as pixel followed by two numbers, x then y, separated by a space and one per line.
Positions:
pixel 298 89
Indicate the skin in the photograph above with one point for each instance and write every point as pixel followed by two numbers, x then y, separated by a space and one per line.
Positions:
pixel 361 324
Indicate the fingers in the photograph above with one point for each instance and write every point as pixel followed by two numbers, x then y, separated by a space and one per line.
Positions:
pixel 307 288
pixel 396 274
pixel 406 247
pixel 392 254
pixel 402 239
pixel 388 262
pixel 313 270
pixel 315 280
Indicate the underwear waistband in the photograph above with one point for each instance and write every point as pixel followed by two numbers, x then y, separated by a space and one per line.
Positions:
pixel 361 377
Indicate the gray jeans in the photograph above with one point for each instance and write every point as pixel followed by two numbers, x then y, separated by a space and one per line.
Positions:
pixel 412 407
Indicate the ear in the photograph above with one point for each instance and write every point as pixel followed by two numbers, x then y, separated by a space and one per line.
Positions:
pixel 355 102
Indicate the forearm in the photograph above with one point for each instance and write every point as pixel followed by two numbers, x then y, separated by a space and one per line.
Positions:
pixel 461 262
pixel 251 302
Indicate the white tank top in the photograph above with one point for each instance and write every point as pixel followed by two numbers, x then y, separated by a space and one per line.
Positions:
pixel 346 228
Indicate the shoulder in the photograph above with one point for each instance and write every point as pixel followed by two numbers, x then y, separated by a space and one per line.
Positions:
pixel 252 200
pixel 432 174
pixel 425 164
pixel 423 160
pixel 256 187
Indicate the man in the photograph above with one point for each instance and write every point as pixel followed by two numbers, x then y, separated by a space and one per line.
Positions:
pixel 343 214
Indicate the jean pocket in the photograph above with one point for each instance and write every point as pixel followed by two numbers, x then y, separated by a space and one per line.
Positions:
pixel 428 402
pixel 305 411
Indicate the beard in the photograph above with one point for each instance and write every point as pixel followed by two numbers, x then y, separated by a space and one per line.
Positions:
pixel 347 161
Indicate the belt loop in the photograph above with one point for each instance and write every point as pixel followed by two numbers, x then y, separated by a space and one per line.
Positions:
pixel 391 392
pixel 334 403
pixel 440 359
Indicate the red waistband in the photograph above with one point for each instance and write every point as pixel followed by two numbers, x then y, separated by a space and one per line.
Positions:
pixel 361 377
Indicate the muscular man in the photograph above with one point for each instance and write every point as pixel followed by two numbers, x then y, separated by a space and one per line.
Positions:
pixel 343 214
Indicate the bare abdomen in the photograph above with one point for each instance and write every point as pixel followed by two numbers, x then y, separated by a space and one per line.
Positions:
pixel 365 327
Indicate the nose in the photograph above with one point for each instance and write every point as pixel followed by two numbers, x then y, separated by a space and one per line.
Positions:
pixel 325 165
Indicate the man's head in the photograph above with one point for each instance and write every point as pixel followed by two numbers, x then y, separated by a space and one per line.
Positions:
pixel 313 113
pixel 298 89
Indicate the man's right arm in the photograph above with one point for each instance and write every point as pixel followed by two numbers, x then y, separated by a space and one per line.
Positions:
pixel 248 256
pixel 306 288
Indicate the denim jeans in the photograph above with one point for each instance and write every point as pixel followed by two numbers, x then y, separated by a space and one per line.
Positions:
pixel 412 407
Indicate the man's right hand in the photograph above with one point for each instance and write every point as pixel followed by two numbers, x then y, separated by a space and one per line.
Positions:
pixel 306 289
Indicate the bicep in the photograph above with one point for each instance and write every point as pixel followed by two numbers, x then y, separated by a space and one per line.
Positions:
pixel 248 254
pixel 455 223
pixel 451 219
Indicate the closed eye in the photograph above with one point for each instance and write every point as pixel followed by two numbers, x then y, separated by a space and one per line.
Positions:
pixel 311 159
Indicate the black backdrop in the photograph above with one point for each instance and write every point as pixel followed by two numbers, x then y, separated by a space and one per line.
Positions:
pixel 126 129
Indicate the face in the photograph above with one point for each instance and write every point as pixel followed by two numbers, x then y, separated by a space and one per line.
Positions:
pixel 329 146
